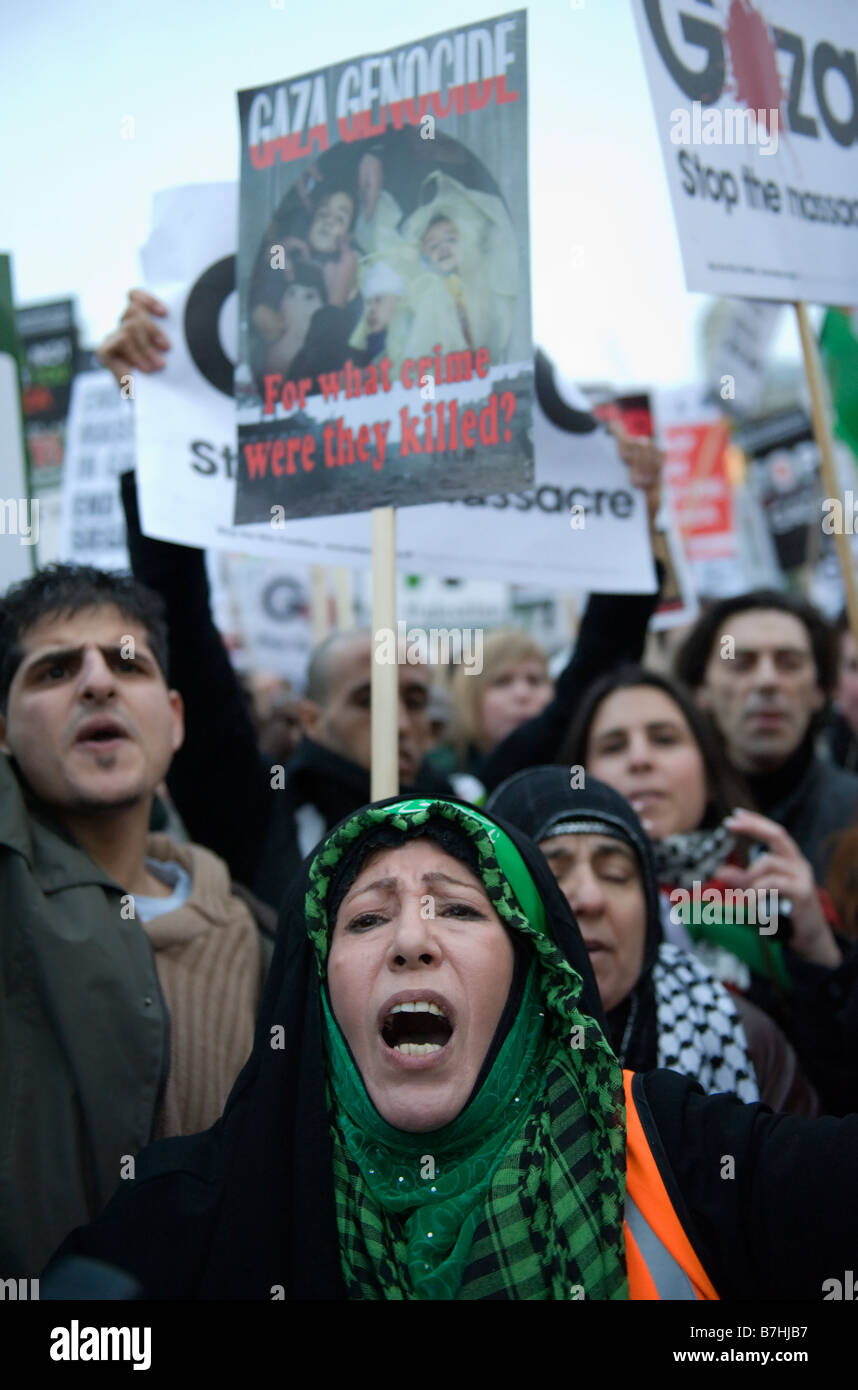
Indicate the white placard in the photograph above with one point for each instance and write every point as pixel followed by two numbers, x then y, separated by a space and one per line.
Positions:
pixel 99 446
pixel 766 205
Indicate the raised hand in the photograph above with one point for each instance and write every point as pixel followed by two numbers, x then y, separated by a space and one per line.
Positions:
pixel 138 342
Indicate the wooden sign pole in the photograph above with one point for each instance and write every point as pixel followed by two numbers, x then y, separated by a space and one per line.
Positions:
pixel 822 434
pixel 384 687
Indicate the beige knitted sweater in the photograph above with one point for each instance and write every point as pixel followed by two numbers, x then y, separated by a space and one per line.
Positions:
pixel 209 963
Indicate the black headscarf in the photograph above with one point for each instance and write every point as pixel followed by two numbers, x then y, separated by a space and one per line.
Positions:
pixel 539 801
pixel 247 1209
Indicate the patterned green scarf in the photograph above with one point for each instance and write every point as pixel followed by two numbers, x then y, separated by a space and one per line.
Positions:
pixel 521 1196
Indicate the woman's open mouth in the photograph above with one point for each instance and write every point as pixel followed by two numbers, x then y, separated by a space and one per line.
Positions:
pixel 416 1028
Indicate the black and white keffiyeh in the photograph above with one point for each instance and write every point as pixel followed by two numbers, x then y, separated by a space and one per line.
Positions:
pixel 700 1032
pixel 697 854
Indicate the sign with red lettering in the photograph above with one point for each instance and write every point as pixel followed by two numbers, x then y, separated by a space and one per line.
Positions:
pixel 385 354
pixel 695 438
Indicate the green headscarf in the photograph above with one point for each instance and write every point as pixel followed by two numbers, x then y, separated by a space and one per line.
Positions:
pixel 522 1194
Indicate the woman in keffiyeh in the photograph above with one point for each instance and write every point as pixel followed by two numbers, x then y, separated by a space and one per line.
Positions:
pixel 432 1111
pixel 664 1008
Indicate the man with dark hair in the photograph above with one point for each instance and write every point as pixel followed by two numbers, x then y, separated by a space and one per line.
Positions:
pixel 130 972
pixel 763 665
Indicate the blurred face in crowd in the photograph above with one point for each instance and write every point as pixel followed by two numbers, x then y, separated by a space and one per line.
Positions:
pixel 517 693
pixel 380 309
pixel 441 245
pixel 91 729
pixel 419 1064
pixel 641 744
pixel 846 694
pixel 298 305
pixel 331 221
pixel 601 881
pixel 763 696
pixel 343 722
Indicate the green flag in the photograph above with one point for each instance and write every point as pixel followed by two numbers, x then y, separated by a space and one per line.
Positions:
pixel 839 348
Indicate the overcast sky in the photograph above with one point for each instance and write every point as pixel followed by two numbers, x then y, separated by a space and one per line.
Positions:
pixel 76 194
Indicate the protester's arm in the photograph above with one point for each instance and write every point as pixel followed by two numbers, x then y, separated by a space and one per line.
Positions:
pixel 769 1202
pixel 217 780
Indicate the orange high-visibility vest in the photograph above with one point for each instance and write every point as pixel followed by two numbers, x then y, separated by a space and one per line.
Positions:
pixel 660 1260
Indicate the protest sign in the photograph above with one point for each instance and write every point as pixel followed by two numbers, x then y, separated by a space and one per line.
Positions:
pixel 784 474
pixel 757 114
pixel 263 611
pixel 739 333
pixel 786 479
pixel 99 446
pixel 695 438
pixel 19 516
pixel 49 343
pixel 49 360
pixel 186 449
pixel 383 275
pixel 677 604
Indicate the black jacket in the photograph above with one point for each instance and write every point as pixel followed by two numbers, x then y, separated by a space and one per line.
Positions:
pixel 842 742
pixel 811 798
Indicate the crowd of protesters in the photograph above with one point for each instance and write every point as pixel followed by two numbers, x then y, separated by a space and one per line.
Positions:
pixel 608 942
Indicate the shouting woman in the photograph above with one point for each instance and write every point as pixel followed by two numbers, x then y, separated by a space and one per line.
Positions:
pixel 432 1111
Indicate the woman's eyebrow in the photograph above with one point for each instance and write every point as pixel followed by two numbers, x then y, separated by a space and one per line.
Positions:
pixel 383 884
pixel 617 847
pixel 387 885
pixel 559 852
pixel 438 877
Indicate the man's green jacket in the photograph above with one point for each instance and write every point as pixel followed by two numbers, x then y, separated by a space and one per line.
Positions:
pixel 84 1034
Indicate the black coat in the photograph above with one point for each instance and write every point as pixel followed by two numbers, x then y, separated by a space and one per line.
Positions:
pixel 812 799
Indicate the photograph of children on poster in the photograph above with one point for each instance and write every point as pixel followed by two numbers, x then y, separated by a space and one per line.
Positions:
pixel 385 352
